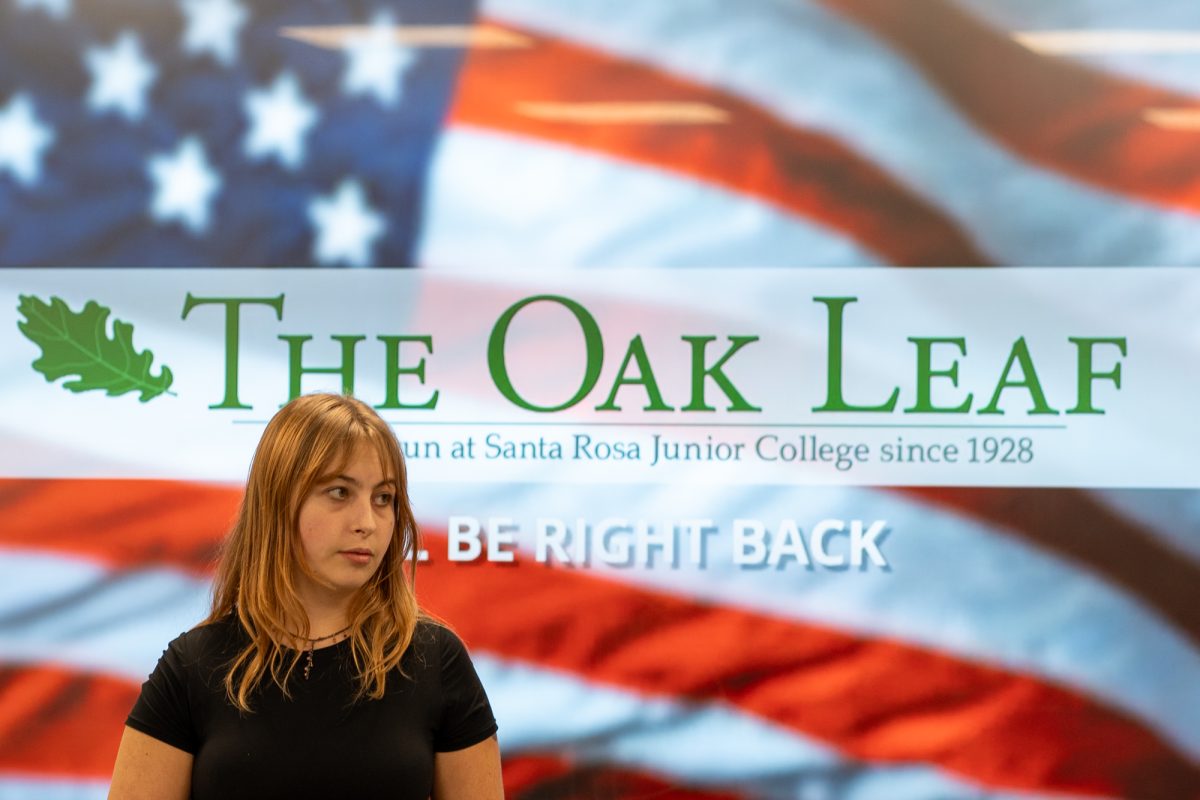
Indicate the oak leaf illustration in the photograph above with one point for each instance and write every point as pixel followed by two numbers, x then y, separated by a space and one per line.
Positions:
pixel 77 343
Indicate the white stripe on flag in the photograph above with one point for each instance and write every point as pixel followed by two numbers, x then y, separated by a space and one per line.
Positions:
pixel 76 613
pixel 497 201
pixel 1176 70
pixel 20 787
pixel 1172 515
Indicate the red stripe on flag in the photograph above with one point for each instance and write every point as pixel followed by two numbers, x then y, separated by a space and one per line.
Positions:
pixel 1069 117
pixel 527 772
pixel 753 152
pixel 54 721
pixel 874 699
pixel 126 523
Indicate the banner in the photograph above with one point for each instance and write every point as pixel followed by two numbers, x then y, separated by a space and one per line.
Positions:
pixel 728 377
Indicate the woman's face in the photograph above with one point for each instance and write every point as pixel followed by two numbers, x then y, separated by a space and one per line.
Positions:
pixel 345 527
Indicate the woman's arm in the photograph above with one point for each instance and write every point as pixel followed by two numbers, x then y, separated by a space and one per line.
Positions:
pixel 148 769
pixel 469 774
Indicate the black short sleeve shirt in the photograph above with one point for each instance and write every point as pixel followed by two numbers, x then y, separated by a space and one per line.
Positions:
pixel 321 742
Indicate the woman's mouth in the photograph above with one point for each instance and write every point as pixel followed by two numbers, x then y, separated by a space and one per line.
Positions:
pixel 360 557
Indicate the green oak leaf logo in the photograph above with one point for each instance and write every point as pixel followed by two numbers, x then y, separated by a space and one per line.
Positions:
pixel 77 343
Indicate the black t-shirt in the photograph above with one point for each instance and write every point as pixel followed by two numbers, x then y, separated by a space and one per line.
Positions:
pixel 321 742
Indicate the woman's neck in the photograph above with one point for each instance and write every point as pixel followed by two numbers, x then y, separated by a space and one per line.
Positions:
pixel 326 615
pixel 322 627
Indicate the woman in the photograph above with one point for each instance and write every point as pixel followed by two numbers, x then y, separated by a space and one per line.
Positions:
pixel 315 674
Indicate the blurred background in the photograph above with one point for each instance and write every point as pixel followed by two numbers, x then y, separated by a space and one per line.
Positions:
pixel 1052 649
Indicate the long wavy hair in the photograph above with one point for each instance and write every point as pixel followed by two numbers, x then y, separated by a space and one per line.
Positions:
pixel 311 437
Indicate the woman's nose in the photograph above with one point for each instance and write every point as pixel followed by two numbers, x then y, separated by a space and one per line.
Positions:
pixel 364 516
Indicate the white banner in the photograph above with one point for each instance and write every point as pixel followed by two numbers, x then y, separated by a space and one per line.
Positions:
pixel 1071 377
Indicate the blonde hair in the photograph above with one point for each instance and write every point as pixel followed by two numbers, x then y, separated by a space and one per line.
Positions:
pixel 311 437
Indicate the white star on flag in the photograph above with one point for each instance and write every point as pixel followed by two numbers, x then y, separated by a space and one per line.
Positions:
pixel 346 226
pixel 23 140
pixel 280 118
pixel 376 62
pixel 184 185
pixel 58 9
pixel 121 77
pixel 213 27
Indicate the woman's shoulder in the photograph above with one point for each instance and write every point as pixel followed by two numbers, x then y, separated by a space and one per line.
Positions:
pixel 208 641
pixel 435 643
pixel 428 635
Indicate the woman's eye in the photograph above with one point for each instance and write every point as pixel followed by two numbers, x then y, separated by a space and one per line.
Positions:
pixel 383 500
pixel 337 492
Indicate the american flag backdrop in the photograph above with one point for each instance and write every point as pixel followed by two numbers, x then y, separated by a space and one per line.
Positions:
pixel 1049 644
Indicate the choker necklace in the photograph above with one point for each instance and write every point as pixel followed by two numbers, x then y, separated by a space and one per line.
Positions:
pixel 311 642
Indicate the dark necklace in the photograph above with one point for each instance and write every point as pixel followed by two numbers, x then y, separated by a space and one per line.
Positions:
pixel 311 646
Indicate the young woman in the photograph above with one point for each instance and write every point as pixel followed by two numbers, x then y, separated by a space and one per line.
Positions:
pixel 315 674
